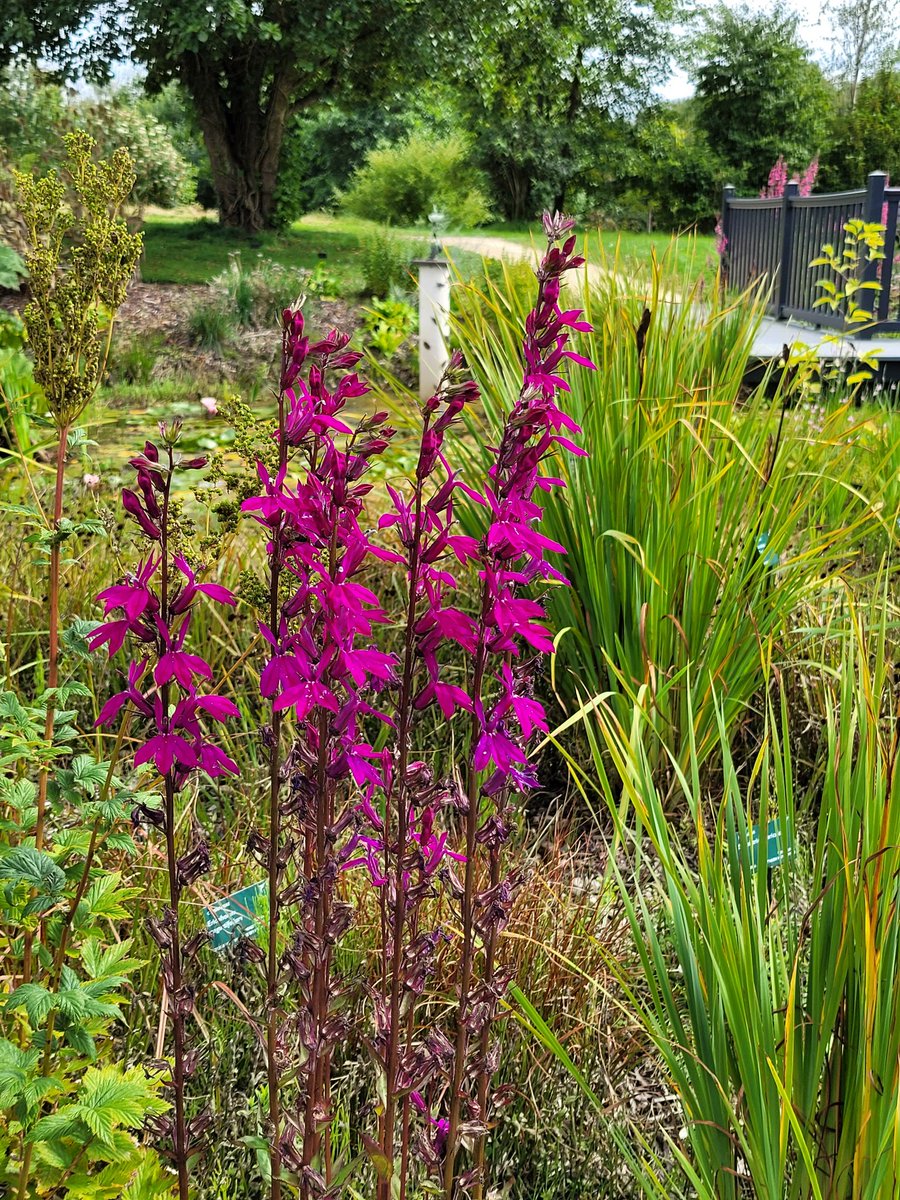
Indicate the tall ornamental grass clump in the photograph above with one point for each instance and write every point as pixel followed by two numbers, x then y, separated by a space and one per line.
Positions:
pixel 770 994
pixel 700 519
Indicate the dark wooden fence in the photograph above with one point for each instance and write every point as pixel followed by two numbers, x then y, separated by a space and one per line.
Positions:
pixel 772 243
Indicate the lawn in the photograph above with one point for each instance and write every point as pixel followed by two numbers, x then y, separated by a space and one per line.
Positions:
pixel 182 248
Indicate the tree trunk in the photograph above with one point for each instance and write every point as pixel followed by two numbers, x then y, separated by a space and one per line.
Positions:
pixel 243 128
pixel 565 151
pixel 516 192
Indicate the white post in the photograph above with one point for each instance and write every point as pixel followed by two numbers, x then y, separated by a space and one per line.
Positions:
pixel 434 322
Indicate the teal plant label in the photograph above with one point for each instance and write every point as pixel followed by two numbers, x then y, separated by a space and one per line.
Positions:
pixel 775 849
pixel 234 916
pixel 769 557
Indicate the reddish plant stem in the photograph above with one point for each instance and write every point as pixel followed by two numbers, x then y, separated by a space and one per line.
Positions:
pixel 319 1082
pixel 407 1107
pixel 274 838
pixel 403 738
pixel 468 946
pixel 53 649
pixel 175 999
pixel 178 1082
pixel 52 676
pixel 483 1076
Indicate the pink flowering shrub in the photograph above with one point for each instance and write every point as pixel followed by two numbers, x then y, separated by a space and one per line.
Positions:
pixel 778 179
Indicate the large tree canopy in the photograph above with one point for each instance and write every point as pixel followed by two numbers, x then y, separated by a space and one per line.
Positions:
pixel 248 66
pixel 758 92
pixel 41 27
pixel 541 82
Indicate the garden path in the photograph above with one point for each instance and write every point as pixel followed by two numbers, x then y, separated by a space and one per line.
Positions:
pixel 504 249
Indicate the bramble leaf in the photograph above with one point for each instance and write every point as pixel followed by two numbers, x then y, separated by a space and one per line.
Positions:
pixel 35 868
pixel 35 999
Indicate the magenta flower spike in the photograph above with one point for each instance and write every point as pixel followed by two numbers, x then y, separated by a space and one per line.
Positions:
pixel 511 634
pixel 152 610
pixel 324 668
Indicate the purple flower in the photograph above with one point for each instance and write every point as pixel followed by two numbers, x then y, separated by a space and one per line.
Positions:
pixel 185 598
pixel 157 616
pixel 134 508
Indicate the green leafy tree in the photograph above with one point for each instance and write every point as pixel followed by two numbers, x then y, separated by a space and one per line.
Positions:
pixel 247 67
pixel 867 137
pixel 673 169
pixel 759 94
pixel 543 82
pixel 322 149
pixel 866 39
pixel 42 29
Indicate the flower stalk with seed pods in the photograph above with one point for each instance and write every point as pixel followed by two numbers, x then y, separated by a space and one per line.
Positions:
pixel 150 611
pixel 324 667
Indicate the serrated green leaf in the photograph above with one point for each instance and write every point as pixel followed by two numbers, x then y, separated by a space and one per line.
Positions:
pixel 64 1123
pixel 110 1097
pixel 150 1181
pixel 19 794
pixel 81 1041
pixel 16 1071
pixel 26 865
pixel 35 999
pixel 74 638
pixel 106 897
pixel 109 962
pixel 88 772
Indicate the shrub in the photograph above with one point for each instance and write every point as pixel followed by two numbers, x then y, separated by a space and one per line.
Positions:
pixel 256 297
pixel 401 184
pixel 320 151
pixel 210 326
pixel 387 325
pixel 173 109
pixel 385 263
pixel 164 177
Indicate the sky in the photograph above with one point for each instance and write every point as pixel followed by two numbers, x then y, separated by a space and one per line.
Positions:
pixel 814 29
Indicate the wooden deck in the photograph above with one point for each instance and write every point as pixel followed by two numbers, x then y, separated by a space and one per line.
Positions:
pixel 774 335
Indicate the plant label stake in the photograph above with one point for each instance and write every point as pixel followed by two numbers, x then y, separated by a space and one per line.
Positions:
pixel 775 852
pixel 234 916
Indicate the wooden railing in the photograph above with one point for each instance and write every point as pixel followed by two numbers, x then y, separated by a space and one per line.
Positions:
pixel 771 243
